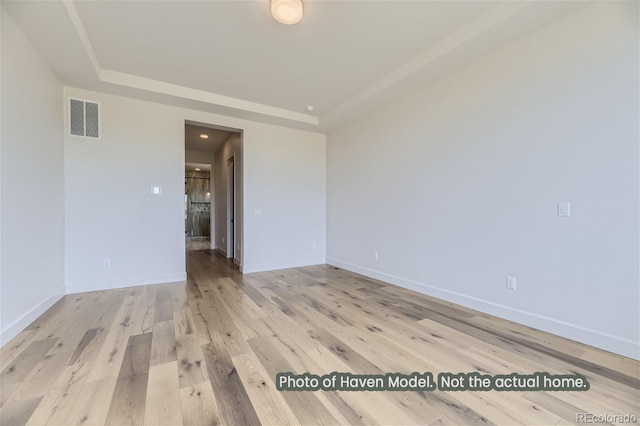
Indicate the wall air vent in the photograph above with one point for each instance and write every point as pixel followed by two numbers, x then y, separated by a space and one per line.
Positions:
pixel 84 118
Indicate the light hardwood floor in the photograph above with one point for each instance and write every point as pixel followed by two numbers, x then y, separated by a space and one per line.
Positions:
pixel 207 352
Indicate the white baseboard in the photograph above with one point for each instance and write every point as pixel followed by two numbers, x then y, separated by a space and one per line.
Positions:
pixel 13 329
pixel 128 282
pixel 599 339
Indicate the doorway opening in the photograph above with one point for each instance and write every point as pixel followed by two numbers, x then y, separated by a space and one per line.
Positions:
pixel 197 206
pixel 220 148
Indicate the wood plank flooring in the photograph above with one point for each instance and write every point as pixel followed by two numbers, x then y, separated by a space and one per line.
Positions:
pixel 207 352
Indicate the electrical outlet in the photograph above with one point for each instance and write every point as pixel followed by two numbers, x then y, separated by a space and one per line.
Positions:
pixel 375 255
pixel 106 262
pixel 511 283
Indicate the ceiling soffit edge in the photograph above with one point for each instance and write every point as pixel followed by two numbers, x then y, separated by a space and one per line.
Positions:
pixel 423 59
pixel 161 87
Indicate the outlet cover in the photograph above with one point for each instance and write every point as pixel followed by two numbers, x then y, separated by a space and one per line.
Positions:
pixel 511 283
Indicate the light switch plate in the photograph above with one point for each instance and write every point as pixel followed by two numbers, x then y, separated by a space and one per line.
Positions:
pixel 564 209
pixel 156 190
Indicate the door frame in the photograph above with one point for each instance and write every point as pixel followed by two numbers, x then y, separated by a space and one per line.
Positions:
pixel 231 207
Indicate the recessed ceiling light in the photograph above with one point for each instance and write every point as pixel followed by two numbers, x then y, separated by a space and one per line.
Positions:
pixel 287 12
pixel 204 136
pixel 310 108
pixel 197 169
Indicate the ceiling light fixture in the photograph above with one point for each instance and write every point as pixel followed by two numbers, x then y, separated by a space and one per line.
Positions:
pixel 310 108
pixel 204 136
pixel 197 169
pixel 287 12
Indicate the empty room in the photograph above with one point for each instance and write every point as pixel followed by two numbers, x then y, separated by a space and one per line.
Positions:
pixel 319 212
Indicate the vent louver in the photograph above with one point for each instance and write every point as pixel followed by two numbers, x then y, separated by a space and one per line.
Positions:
pixel 84 118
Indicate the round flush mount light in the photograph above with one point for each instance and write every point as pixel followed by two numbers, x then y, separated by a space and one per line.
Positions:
pixel 287 12
pixel 204 136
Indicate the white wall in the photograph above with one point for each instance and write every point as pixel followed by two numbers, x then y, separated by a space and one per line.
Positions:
pixel 111 212
pixel 456 186
pixel 202 157
pixel 285 177
pixel 281 179
pixel 32 184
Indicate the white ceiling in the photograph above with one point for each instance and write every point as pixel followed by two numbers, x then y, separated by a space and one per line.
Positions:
pixel 193 141
pixel 344 58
